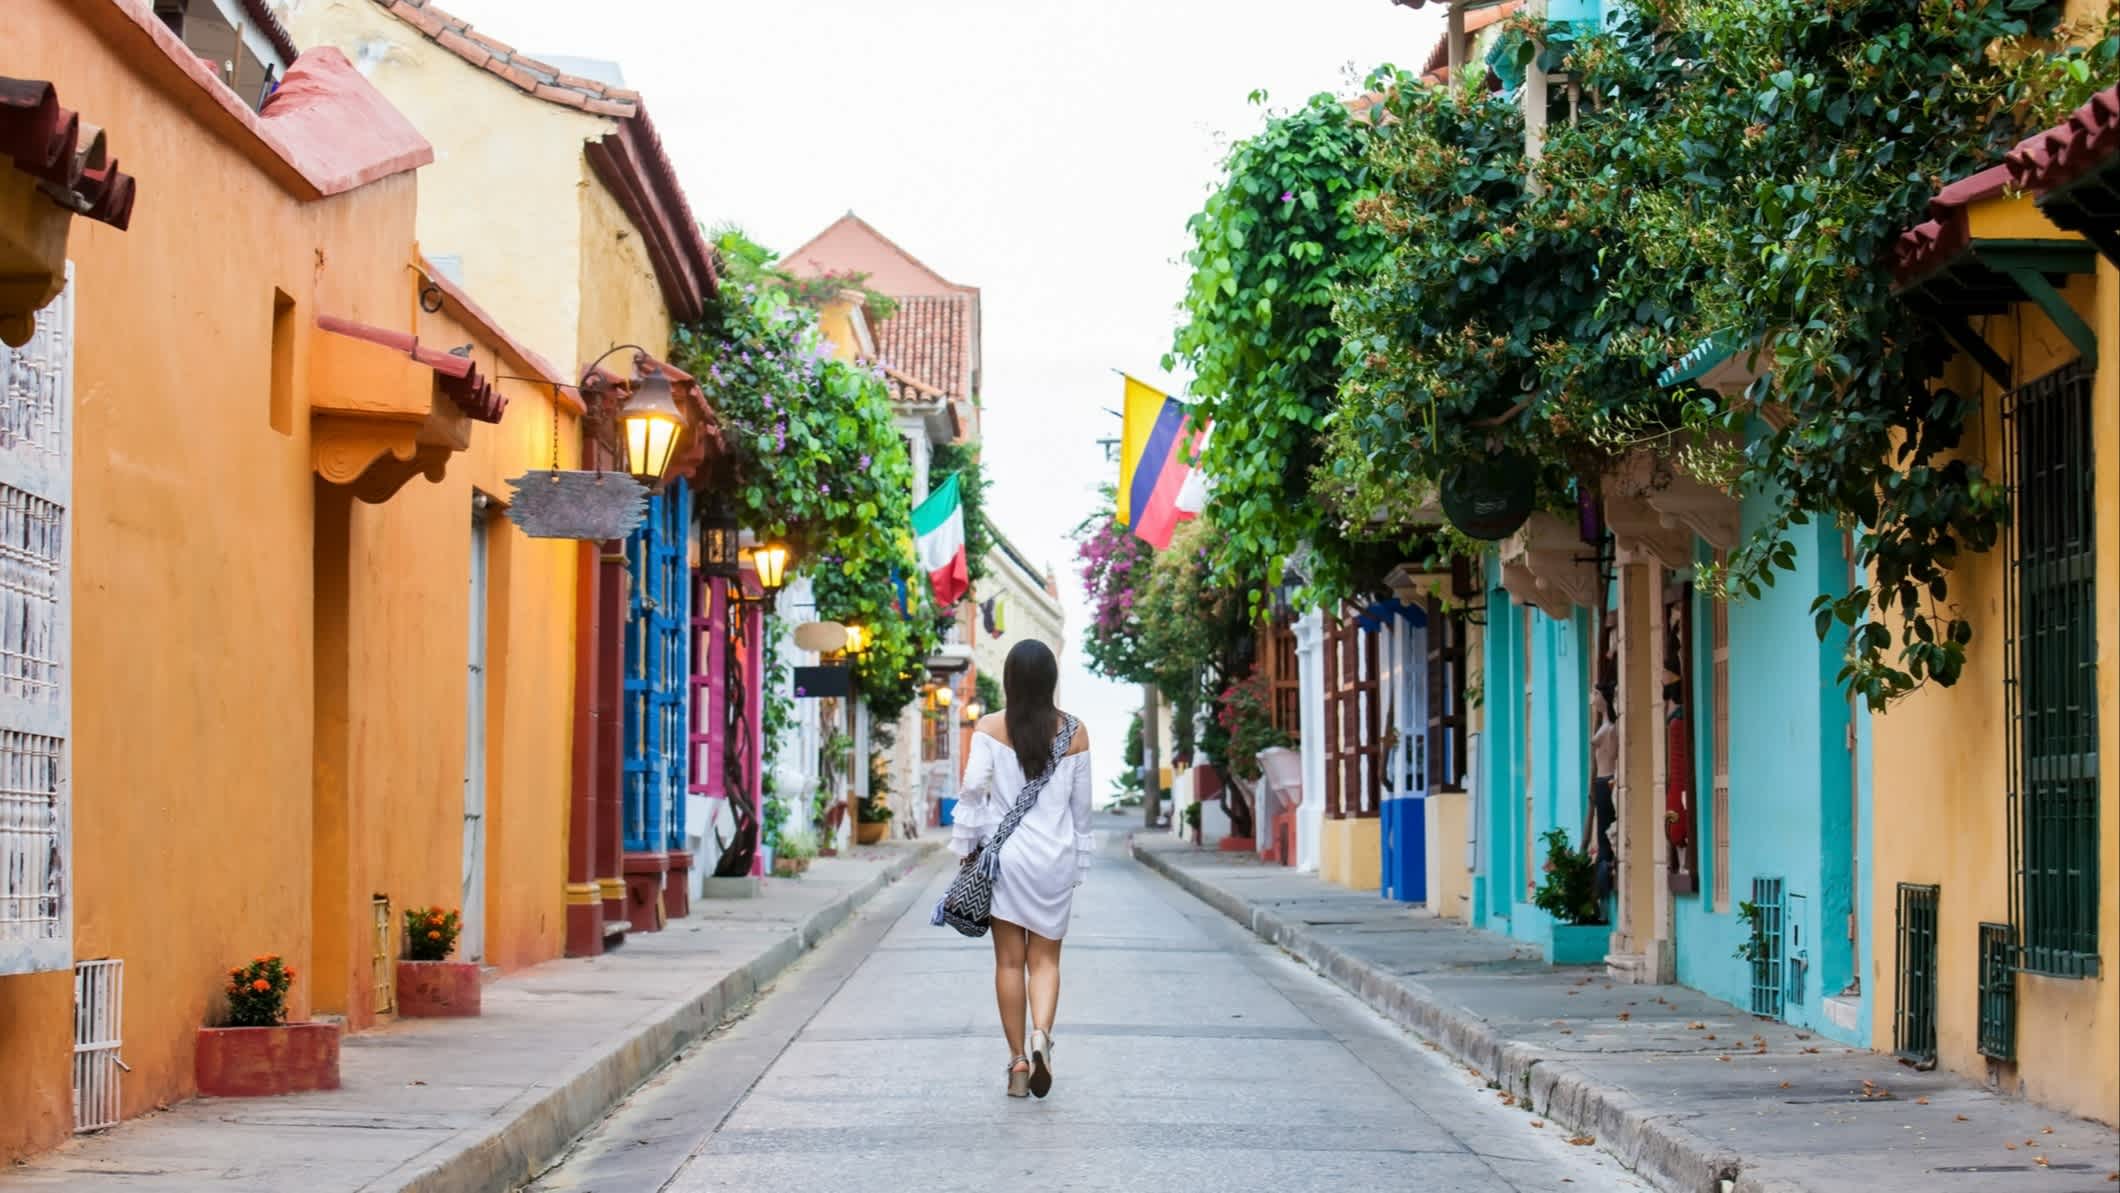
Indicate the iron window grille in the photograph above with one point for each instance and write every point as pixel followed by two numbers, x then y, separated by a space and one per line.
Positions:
pixel 2051 684
pixel 1446 698
pixel 1998 993
pixel 1767 958
pixel 1914 1023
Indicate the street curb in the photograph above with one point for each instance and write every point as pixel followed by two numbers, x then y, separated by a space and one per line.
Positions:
pixel 514 1153
pixel 1651 1143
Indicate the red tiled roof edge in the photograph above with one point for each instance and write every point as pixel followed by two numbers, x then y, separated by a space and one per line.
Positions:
pixel 632 165
pixel 2089 138
pixel 44 141
pixel 929 337
pixel 269 24
pixel 631 162
pixel 458 376
pixel 503 61
pixel 1946 233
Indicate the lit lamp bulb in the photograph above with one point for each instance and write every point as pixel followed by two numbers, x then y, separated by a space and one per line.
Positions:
pixel 651 423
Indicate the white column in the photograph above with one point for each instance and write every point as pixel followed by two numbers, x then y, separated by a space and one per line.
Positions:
pixel 1310 675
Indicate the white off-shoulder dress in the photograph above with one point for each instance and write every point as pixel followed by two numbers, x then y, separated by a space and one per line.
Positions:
pixel 1043 861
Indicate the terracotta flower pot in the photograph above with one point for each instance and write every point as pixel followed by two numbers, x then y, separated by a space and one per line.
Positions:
pixel 438 989
pixel 786 867
pixel 259 1062
pixel 868 832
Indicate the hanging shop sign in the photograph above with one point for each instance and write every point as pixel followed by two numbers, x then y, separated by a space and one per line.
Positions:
pixel 833 680
pixel 1490 498
pixel 597 506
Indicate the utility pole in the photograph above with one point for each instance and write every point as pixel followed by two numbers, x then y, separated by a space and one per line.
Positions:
pixel 1151 771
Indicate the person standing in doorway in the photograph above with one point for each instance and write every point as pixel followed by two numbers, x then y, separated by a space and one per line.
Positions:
pixel 1041 862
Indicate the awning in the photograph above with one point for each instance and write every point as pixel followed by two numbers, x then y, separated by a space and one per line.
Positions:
pixel 454 371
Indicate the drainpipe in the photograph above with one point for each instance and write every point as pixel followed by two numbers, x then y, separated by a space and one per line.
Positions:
pixel 1454 39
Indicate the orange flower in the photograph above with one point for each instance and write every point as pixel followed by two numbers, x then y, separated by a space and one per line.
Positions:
pixel 236 972
pixel 261 985
pixel 434 936
pixel 262 958
pixel 290 973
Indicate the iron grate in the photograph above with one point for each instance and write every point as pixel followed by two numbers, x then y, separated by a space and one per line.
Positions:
pixel 1998 993
pixel 1914 1023
pixel 382 964
pixel 99 1003
pixel 1767 957
pixel 2051 689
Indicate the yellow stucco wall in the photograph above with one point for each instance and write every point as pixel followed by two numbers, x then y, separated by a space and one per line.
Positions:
pixel 1449 882
pixel 621 302
pixel 1351 853
pixel 503 192
pixel 1939 778
pixel 195 527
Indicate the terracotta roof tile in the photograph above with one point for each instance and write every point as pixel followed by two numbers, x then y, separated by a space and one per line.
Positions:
pixel 527 74
pixel 929 338
pixel 70 159
pixel 631 162
pixel 2088 139
pixel 265 21
pixel 1946 233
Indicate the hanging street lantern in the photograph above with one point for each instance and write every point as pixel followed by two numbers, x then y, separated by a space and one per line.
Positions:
pixel 858 641
pixel 720 556
pixel 771 563
pixel 649 426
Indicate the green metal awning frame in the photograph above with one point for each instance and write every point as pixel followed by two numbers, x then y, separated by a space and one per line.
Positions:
pixel 1696 362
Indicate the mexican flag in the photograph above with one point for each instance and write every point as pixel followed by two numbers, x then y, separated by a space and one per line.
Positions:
pixel 938 527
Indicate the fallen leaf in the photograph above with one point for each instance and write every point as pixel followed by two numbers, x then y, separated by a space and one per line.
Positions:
pixel 2010 1146
pixel 1709 1036
pixel 2046 1130
pixel 1696 1025
pixel 1723 1059
pixel 1785 1085
pixel 1536 1123
pixel 1761 1050
pixel 1921 1101
pixel 1624 1016
pixel 2029 1143
pixel 2039 1160
pixel 1582 1140
pixel 1810 1050
pixel 1567 1032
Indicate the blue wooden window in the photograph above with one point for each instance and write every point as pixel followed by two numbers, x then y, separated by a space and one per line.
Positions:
pixel 658 624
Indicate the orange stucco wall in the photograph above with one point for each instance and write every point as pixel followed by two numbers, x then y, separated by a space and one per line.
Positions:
pixel 1939 758
pixel 194 723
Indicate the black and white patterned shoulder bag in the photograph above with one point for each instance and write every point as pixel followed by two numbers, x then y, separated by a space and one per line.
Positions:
pixel 968 906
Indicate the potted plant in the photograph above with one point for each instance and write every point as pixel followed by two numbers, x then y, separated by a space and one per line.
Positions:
pixel 429 985
pixel 1192 820
pixel 258 1053
pixel 875 820
pixel 793 856
pixel 1576 932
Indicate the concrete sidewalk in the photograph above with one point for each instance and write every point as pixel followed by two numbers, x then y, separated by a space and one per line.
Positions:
pixel 1692 1093
pixel 472 1105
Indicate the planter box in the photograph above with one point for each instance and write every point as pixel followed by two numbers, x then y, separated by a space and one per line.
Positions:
pixel 1575 944
pixel 747 887
pixel 786 867
pixel 1238 845
pixel 868 832
pixel 260 1062
pixel 438 989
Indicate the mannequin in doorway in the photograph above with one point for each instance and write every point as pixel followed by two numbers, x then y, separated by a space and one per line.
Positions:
pixel 1602 826
pixel 1678 756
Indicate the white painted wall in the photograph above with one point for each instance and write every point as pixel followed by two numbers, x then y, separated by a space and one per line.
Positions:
pixel 1310 675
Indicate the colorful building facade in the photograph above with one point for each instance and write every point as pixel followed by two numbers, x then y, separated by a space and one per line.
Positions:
pixel 289 452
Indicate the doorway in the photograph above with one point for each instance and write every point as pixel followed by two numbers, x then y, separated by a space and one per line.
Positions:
pixel 471 944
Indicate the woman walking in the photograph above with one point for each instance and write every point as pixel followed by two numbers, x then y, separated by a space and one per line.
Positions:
pixel 1041 857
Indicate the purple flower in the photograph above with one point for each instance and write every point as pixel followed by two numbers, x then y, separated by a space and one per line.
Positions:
pixel 1288 196
pixel 828 488
pixel 864 465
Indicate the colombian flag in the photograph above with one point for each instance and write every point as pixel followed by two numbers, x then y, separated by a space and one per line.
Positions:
pixel 1156 451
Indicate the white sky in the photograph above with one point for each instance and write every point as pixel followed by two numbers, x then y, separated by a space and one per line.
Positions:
pixel 1048 153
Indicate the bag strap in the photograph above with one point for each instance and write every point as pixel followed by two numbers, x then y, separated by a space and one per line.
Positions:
pixel 990 855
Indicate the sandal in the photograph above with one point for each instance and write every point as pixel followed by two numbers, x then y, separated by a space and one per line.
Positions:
pixel 1041 1063
pixel 1019 1080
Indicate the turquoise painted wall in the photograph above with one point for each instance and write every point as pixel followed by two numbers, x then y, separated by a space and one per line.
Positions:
pixel 1792 784
pixel 1559 753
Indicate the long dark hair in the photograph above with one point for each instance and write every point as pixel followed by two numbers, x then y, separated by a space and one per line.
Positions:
pixel 1028 679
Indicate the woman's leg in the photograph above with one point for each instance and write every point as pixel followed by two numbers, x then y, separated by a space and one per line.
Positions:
pixel 1008 981
pixel 1044 957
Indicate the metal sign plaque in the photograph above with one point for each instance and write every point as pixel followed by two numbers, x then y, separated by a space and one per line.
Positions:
pixel 598 506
